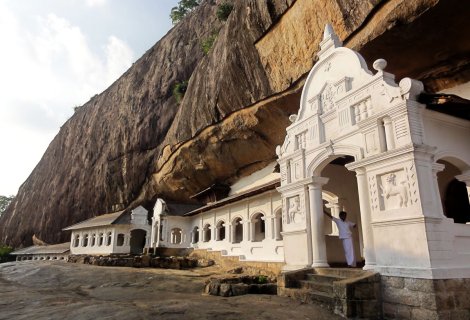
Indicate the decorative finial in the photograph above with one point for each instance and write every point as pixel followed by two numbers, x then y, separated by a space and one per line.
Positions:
pixel 379 65
pixel 328 31
pixel 292 118
pixel 330 41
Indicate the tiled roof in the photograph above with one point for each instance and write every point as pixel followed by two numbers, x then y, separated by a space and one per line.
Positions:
pixel 48 249
pixel 102 220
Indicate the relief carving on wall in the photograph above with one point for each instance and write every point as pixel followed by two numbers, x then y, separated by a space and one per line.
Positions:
pixel 327 98
pixel 373 193
pixel 294 211
pixel 394 190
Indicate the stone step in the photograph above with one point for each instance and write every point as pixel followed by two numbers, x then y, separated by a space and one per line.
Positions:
pixel 316 286
pixel 322 278
pixel 310 296
pixel 341 272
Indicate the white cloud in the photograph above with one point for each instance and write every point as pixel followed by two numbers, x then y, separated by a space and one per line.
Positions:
pixel 45 72
pixel 96 3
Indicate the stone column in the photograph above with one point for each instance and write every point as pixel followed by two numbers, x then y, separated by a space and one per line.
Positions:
pixel 316 222
pixel 364 205
pixel 465 177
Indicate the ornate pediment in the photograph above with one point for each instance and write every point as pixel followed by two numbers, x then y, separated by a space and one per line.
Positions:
pixel 341 94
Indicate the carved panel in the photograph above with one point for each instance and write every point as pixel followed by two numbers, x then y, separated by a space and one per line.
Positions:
pixel 362 110
pixel 412 183
pixel 394 190
pixel 295 212
pixel 327 98
pixel 372 142
pixel 283 169
pixel 301 140
pixel 373 193
pixel 401 128
pixel 344 118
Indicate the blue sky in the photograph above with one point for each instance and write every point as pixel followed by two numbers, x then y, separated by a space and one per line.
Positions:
pixel 55 55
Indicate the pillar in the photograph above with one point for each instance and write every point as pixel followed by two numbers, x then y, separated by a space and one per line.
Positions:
pixel 316 222
pixel 465 177
pixel 364 205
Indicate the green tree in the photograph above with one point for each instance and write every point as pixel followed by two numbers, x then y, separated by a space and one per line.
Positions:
pixel 182 9
pixel 4 202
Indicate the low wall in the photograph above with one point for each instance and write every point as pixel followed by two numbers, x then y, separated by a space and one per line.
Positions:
pixel 231 262
pixel 411 298
pixel 173 252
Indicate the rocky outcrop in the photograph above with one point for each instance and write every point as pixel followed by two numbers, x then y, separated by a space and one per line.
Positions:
pixel 134 142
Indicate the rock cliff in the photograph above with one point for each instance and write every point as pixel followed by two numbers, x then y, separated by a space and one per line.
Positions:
pixel 134 141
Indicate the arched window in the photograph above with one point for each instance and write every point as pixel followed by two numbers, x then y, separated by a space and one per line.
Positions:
pixel 206 236
pixel 76 240
pixel 237 230
pixel 101 239
pixel 109 238
pixel 220 231
pixel 93 239
pixel 176 236
pixel 258 229
pixel 85 240
pixel 120 240
pixel 195 235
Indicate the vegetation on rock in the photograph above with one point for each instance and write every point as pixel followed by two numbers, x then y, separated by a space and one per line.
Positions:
pixel 182 9
pixel 179 90
pixel 207 43
pixel 5 202
pixel 224 10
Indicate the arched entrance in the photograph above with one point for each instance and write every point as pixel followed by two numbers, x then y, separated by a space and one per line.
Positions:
pixel 137 241
pixel 340 193
pixel 454 192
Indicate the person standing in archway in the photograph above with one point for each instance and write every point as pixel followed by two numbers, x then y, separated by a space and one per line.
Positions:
pixel 345 235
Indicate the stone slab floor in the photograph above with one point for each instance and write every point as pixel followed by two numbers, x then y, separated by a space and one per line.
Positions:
pixel 59 290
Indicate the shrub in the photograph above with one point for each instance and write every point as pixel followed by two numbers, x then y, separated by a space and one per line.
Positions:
pixel 182 9
pixel 224 10
pixel 262 279
pixel 179 89
pixel 208 43
pixel 5 253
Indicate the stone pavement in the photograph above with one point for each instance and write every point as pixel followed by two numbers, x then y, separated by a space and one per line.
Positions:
pixel 59 290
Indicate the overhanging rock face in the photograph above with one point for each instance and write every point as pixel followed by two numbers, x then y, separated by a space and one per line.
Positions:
pixel 133 142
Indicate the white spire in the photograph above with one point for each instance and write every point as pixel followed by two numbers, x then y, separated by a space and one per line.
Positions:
pixel 329 42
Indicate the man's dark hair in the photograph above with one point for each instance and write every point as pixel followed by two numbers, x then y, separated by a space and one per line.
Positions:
pixel 343 213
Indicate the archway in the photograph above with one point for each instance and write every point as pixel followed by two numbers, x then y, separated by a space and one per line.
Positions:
pixel 340 193
pixel 137 241
pixel 176 236
pixel 195 235
pixel 258 227
pixel 206 235
pixel 454 193
pixel 278 224
pixel 220 231
pixel 237 230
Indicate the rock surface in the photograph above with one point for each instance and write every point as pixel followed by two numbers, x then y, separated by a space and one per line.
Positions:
pixel 134 142
pixel 55 290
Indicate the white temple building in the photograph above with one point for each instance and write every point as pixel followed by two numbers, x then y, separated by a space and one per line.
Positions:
pixel 360 143
pixel 114 233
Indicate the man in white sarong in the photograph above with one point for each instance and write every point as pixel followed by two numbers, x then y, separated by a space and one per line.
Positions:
pixel 345 235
